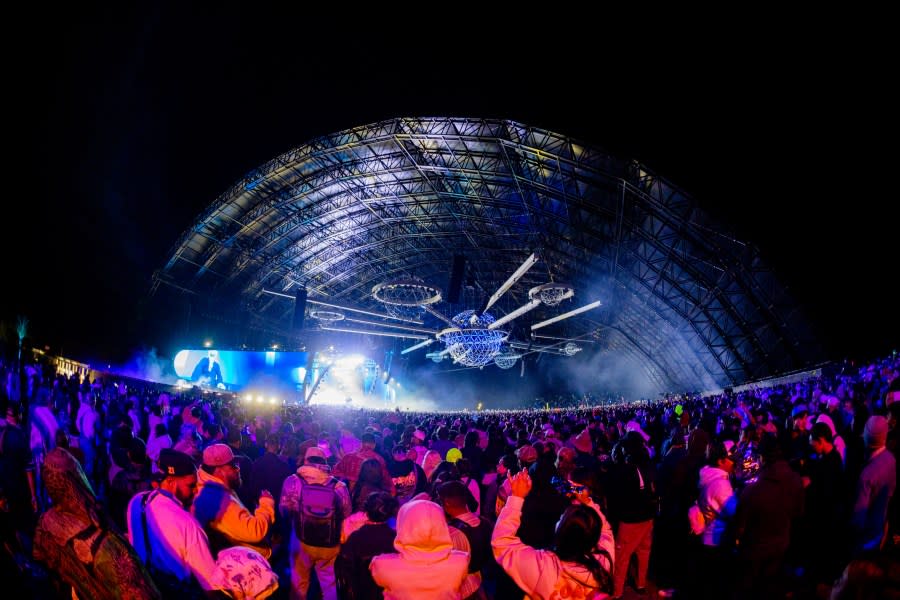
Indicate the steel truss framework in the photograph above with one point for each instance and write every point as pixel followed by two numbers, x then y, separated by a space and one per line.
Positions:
pixel 695 308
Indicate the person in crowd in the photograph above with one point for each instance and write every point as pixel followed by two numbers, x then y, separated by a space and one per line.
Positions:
pixel 238 442
pixel 472 452
pixel 766 511
pixel 62 441
pixel 875 487
pixel 128 481
pixel 633 504
pixel 579 491
pixel 154 419
pixel 370 480
pixel 566 461
pixel 489 487
pixel 580 563
pixel 160 440
pixel 408 477
pixel 216 505
pixel 132 408
pixel 527 456
pixel 717 502
pixel 315 503
pixel 189 443
pixel 469 532
pixel 443 443
pixel 269 471
pixel 677 486
pixel 470 480
pixel 425 564
pixel 825 503
pixel 87 424
pixel 873 575
pixel 349 466
pixel 166 537
pixel 78 543
pixel 584 446
pixel 430 462
pixel 16 467
pixel 376 536
pixel 839 444
pixel 507 466
pixel 544 503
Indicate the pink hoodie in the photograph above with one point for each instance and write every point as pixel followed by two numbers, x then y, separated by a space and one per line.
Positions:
pixel 426 565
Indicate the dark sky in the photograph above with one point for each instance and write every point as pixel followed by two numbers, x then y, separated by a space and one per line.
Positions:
pixel 135 122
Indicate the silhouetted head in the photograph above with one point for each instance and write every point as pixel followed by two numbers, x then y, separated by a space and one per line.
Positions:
pixel 577 534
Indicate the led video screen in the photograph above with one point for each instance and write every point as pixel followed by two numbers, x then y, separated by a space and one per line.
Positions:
pixel 234 369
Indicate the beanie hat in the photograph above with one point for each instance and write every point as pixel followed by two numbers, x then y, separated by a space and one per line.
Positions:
pixel 875 433
pixel 453 455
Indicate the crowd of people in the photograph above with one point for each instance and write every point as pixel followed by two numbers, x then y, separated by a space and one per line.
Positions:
pixel 113 488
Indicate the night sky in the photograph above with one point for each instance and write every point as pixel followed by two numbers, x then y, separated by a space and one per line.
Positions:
pixel 135 122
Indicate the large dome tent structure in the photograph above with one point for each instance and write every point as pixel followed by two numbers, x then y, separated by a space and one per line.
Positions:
pixel 692 306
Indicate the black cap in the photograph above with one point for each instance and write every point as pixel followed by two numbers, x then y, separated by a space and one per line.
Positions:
pixel 173 463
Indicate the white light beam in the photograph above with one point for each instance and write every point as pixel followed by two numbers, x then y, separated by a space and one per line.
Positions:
pixel 529 262
pixel 417 346
pixel 571 313
pixel 516 313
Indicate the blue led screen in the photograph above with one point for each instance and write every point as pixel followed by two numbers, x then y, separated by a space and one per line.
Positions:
pixel 234 369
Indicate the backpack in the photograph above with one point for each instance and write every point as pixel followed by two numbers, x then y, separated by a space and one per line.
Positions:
pixel 696 519
pixel 319 520
pixel 479 541
pixel 699 519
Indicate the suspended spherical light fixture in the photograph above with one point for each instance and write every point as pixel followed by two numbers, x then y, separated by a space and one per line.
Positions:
pixel 470 342
pixel 506 359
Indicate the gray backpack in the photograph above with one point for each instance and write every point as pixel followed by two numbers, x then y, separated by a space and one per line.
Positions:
pixel 318 522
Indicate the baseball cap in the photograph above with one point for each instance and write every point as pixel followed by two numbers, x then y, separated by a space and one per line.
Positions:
pixel 313 451
pixel 173 463
pixel 217 455
pixel 527 454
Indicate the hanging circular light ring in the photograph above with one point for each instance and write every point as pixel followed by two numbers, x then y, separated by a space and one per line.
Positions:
pixel 326 316
pixel 406 292
pixel 400 311
pixel 551 293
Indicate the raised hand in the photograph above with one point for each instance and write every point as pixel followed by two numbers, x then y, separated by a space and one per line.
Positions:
pixel 520 484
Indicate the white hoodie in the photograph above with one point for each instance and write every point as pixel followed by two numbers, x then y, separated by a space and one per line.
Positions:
pixel 718 503
pixel 426 566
